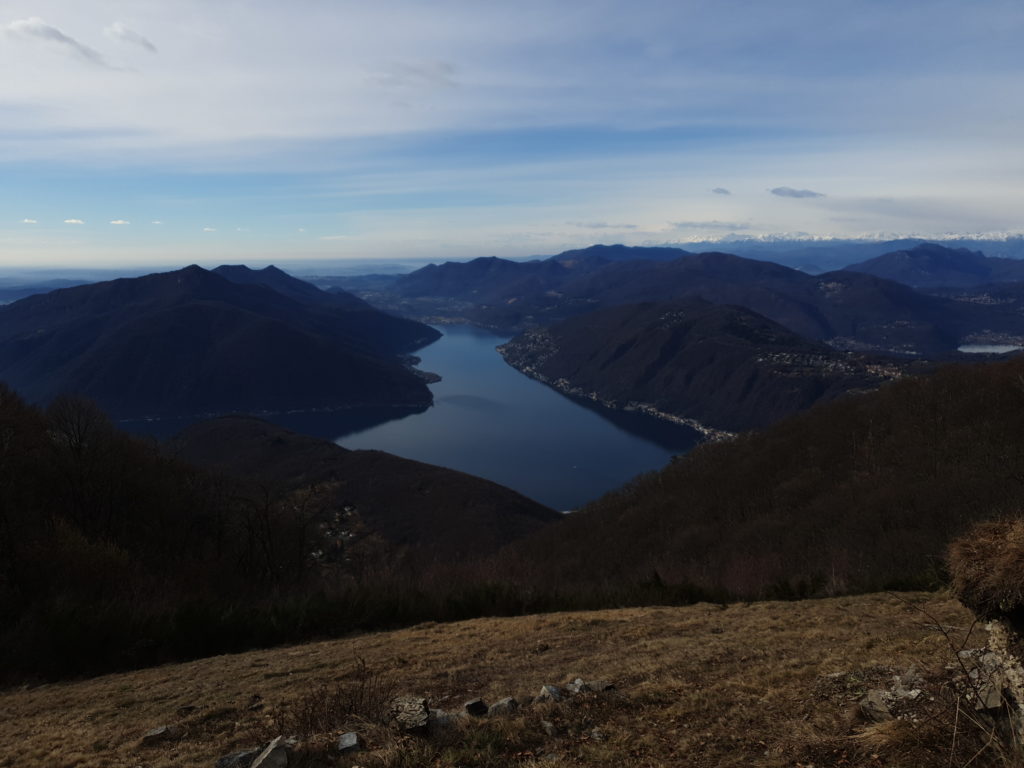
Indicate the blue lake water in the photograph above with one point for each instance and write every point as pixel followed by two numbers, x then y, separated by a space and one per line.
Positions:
pixel 490 420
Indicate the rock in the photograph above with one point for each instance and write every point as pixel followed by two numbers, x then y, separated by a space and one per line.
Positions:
pixel 577 686
pixel 550 693
pixel 549 728
pixel 275 755
pixel 475 707
pixel 439 720
pixel 597 735
pixel 506 706
pixel 990 693
pixel 874 707
pixel 349 742
pixel 163 733
pixel 599 686
pixel 238 759
pixel 410 714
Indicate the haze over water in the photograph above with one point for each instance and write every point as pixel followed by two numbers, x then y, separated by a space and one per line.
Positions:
pixel 490 420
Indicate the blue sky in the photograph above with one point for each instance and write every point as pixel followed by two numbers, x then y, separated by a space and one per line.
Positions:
pixel 264 131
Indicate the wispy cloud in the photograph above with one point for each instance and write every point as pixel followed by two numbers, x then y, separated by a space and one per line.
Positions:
pixel 790 192
pixel 209 229
pixel 29 221
pixel 73 221
pixel 431 73
pixel 35 27
pixel 733 226
pixel 118 31
pixel 156 222
pixel 120 221
pixel 721 191
pixel 600 225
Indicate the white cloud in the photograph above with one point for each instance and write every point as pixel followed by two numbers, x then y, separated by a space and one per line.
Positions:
pixel 120 221
pixel 156 222
pixel 35 27
pixel 209 229
pixel 29 221
pixel 73 221
pixel 118 31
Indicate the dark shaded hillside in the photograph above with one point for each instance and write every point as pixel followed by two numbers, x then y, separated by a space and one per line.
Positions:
pixel 935 266
pixel 191 342
pixel 383 332
pixel 856 495
pixel 432 511
pixel 725 367
pixel 114 554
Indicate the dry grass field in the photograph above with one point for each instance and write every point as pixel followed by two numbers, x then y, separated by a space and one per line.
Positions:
pixel 758 684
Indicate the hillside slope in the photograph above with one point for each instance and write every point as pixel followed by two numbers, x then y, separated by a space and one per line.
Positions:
pixel 707 686
pixel 724 367
pixel 192 342
pixel 859 494
pixel 433 512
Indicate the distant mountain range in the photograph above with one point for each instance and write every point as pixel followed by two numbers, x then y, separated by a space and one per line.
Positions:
pixel 932 266
pixel 193 341
pixel 723 367
pixel 847 309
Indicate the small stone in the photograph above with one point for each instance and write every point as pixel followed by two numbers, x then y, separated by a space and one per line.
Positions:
pixel 874 707
pixel 597 735
pixel 475 707
pixel 410 714
pixel 599 686
pixel 577 686
pixel 550 693
pixel 439 720
pixel 275 755
pixel 506 706
pixel 163 733
pixel 238 759
pixel 549 728
pixel 349 742
pixel 990 695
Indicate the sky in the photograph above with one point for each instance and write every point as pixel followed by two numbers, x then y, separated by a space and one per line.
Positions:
pixel 181 131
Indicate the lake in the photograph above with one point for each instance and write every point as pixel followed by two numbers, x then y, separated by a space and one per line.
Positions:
pixel 490 420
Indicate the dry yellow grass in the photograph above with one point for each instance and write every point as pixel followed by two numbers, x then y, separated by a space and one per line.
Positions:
pixel 703 685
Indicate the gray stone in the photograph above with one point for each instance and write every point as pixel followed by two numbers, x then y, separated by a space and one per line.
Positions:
pixel 577 686
pixel 238 759
pixel 549 728
pixel 599 686
pixel 506 706
pixel 990 694
pixel 349 742
pixel 475 707
pixel 440 720
pixel 163 733
pixel 550 693
pixel 274 755
pixel 410 714
pixel 874 707
pixel 597 735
